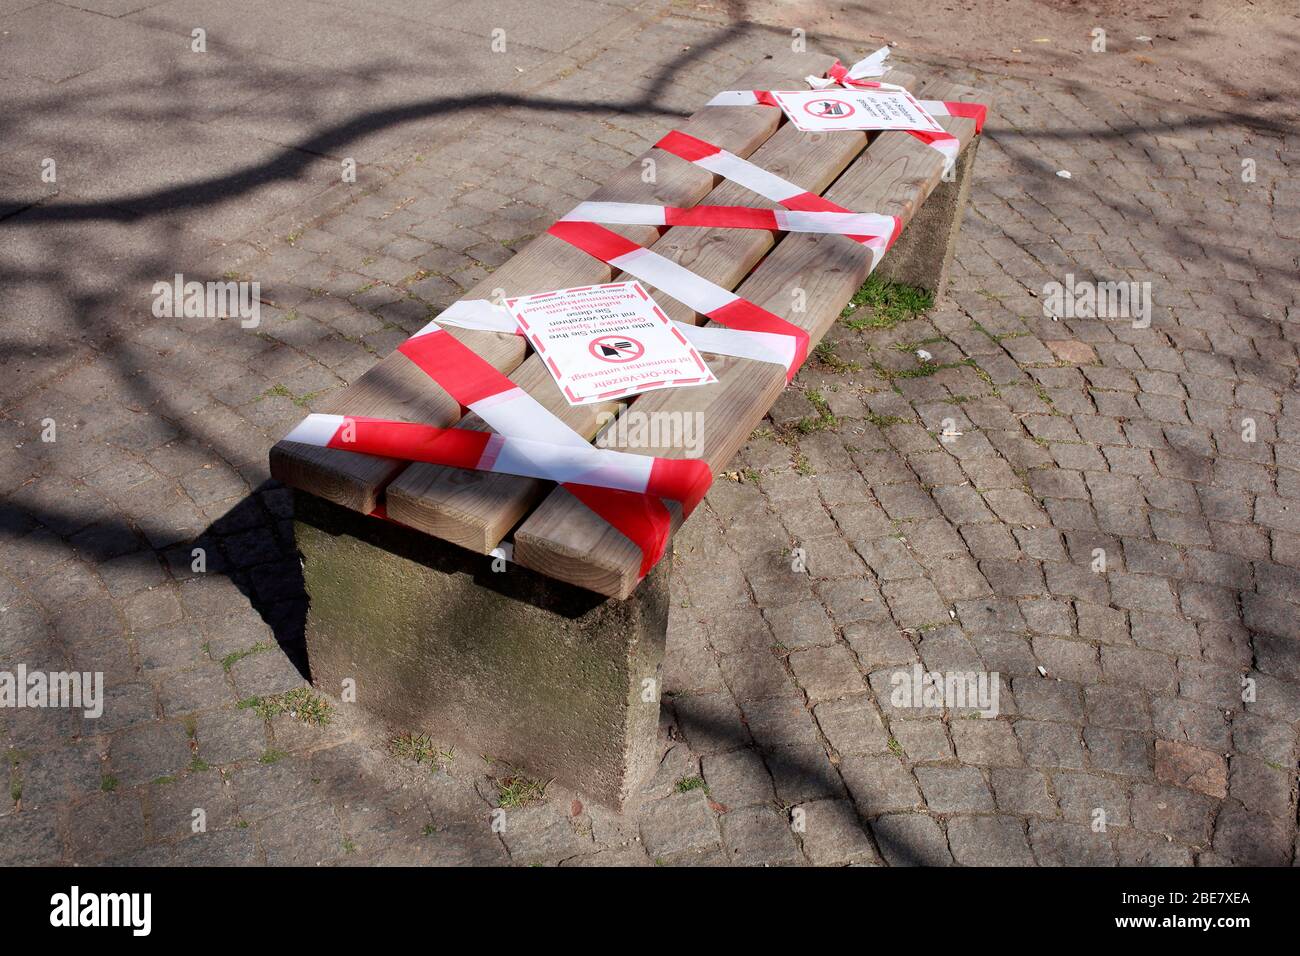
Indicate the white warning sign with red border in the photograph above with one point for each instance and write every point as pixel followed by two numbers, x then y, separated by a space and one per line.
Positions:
pixel 606 341
pixel 837 109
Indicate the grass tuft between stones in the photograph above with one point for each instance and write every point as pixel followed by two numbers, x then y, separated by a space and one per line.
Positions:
pixel 687 784
pixel 300 703
pixel 517 790
pixel 890 304
pixel 420 749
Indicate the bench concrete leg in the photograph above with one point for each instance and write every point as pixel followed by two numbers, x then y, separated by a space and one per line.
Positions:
pixel 547 677
pixel 924 251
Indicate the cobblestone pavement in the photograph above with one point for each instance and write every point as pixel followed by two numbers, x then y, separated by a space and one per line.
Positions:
pixel 1110 520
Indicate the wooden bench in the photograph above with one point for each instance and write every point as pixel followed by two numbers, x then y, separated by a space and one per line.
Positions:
pixel 551 662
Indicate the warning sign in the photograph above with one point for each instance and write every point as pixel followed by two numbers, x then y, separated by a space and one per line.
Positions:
pixel 820 110
pixel 616 348
pixel 829 108
pixel 606 341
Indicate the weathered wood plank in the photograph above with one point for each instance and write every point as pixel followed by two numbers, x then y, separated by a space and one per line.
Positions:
pixel 396 388
pixel 564 539
pixel 474 509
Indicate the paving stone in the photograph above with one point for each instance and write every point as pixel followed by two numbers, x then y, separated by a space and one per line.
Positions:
pixel 1047 744
pixel 153 608
pixel 307 835
pixel 1068 844
pixel 124 705
pixel 759 836
pixel 1046 699
pixel 678 824
pixel 879 784
pixel 1261 787
pixel 1119 752
pixel 689 664
pixel 1252 839
pixel 1118 706
pixel 989 841
pixel 915 603
pixel 204 687
pixel 221 848
pixel 148 751
pixel 801 772
pixel 1262 737
pixel 757 674
pixel 911 839
pixel 804 624
pixel 1141 849
pixel 738 778
pixel 1179 814
pixel 1022 792
pixel 174 805
pixel 106 825
pixel 736 629
pixel 832 834
pixel 852 726
pixel 923 741
pixel 263 789
pixel 32 838
pixel 230 735
pixel 947 652
pixel 1068 660
pixel 826 672
pixel 537 835
pixel 1140 592
pixel 954 789
pixel 780 722
pixel 988 614
pixel 986 743
pixel 1151 669
pixel 711 722
pixel 51 777
pixel 1083 795
pixel 852 601
pixel 879 644
pixel 265 674
pixel 1183 765
pixel 1165 634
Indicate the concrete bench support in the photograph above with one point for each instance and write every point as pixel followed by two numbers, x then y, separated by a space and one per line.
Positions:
pixel 924 251
pixel 542 675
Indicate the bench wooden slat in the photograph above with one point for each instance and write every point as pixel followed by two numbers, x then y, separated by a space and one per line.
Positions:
pixel 476 509
pixel 563 539
pixel 396 388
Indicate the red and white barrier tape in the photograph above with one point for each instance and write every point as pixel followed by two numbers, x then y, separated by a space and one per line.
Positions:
pixel 733 217
pixel 855 78
pixel 721 305
pixel 804 212
pixel 682 480
pixel 770 186
pixel 483 315
pixel 874 65
pixel 528 440
pixel 868 66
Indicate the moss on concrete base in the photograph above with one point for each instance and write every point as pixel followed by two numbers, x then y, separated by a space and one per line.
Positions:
pixel 924 251
pixel 514 665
